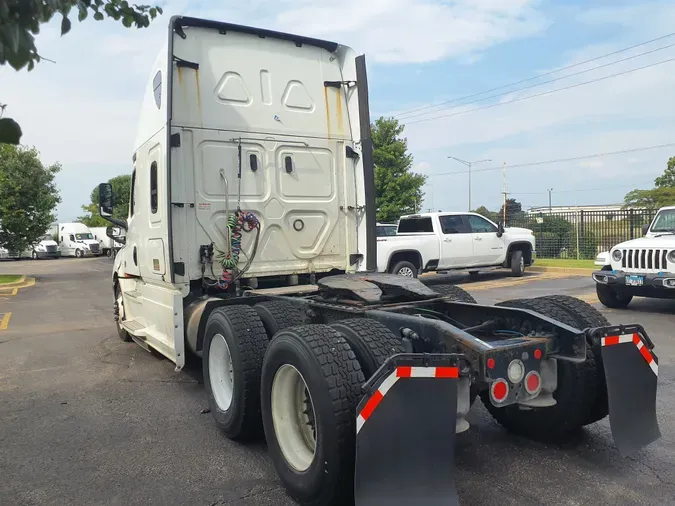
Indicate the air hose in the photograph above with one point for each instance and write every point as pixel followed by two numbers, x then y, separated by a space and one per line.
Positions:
pixel 237 222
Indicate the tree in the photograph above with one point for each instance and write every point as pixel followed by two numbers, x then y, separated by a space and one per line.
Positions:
pixel 663 194
pixel 28 196
pixel 121 191
pixel 490 215
pixel 20 20
pixel 514 210
pixel 667 180
pixel 398 189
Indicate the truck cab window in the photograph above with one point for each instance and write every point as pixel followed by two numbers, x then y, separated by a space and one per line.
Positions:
pixel 481 225
pixel 154 197
pixel 452 225
pixel 415 225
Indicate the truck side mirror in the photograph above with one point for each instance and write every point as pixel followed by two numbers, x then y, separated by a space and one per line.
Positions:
pixel 500 229
pixel 645 228
pixel 105 200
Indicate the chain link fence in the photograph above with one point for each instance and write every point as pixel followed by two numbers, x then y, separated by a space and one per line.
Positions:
pixel 581 234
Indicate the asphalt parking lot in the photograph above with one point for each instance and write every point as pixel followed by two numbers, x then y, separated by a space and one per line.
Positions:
pixel 86 419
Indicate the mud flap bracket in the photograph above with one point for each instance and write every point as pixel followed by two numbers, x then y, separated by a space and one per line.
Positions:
pixel 406 433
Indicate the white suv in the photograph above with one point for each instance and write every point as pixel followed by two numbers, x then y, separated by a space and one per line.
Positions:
pixel 643 267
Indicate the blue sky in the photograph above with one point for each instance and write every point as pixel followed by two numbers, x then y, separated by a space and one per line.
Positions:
pixel 83 110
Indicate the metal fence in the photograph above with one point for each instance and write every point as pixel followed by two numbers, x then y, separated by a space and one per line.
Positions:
pixel 581 234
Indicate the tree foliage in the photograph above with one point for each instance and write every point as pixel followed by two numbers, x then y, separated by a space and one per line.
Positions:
pixel 663 193
pixel 20 21
pixel 514 210
pixel 490 215
pixel 121 192
pixel 28 196
pixel 398 189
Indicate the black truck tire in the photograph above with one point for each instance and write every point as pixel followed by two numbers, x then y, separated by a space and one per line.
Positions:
pixel 409 269
pixel 587 316
pixel 234 346
pixel 453 292
pixel 517 264
pixel 611 298
pixel 119 301
pixel 319 359
pixel 372 342
pixel 278 315
pixel 576 392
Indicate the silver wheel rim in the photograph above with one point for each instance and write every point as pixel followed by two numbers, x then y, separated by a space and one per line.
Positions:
pixel 34 255
pixel 522 264
pixel 221 372
pixel 120 307
pixel 293 417
pixel 405 271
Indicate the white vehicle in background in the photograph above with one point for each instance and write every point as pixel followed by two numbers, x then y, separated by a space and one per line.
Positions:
pixel 76 240
pixel 46 248
pixel 454 241
pixel 386 229
pixel 643 267
pixel 107 243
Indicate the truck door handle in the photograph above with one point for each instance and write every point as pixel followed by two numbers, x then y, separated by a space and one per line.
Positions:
pixel 447 240
pixel 477 238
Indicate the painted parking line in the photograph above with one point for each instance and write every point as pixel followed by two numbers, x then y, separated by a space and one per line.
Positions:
pixel 8 292
pixel 504 283
pixel 4 322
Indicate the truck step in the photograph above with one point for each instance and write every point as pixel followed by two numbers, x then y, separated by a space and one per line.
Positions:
pixel 134 327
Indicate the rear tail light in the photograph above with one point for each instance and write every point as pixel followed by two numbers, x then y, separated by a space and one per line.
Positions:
pixel 499 390
pixel 533 383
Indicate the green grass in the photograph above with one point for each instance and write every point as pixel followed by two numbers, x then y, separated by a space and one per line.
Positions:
pixel 564 262
pixel 8 278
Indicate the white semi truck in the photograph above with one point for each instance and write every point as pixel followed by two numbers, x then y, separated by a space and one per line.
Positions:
pixel 76 240
pixel 251 243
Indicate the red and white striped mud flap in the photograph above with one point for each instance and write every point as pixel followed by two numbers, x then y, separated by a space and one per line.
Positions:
pixel 405 433
pixel 631 371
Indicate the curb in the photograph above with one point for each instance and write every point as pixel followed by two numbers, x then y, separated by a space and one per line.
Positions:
pixel 563 270
pixel 23 282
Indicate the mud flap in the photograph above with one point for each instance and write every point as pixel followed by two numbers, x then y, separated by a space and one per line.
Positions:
pixel 631 371
pixel 406 433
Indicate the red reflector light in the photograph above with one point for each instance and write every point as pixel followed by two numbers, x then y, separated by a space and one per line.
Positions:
pixel 537 354
pixel 491 363
pixel 499 390
pixel 532 382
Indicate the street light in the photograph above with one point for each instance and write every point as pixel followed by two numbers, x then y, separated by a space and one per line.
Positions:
pixel 469 164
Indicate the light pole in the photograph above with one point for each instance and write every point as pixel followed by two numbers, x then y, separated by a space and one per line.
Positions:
pixel 550 207
pixel 469 164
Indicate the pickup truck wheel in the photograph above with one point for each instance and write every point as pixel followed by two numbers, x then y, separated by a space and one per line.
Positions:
pixel 405 269
pixel 234 346
pixel 517 263
pixel 611 298
pixel 311 387
pixel 576 393
pixel 587 316
pixel 372 342
pixel 278 315
pixel 454 292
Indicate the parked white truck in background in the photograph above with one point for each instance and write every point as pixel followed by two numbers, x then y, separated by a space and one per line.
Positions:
pixel 643 267
pixel 107 243
pixel 46 247
pixel 454 241
pixel 76 240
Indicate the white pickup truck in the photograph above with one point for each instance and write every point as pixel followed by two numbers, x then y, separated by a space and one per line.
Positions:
pixel 454 241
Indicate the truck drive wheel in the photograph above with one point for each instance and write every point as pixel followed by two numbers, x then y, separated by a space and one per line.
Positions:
pixel 587 316
pixel 575 395
pixel 234 346
pixel 311 387
pixel 454 293
pixel 79 253
pixel 118 315
pixel 277 315
pixel 611 298
pixel 517 264
pixel 404 269
pixel 372 342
